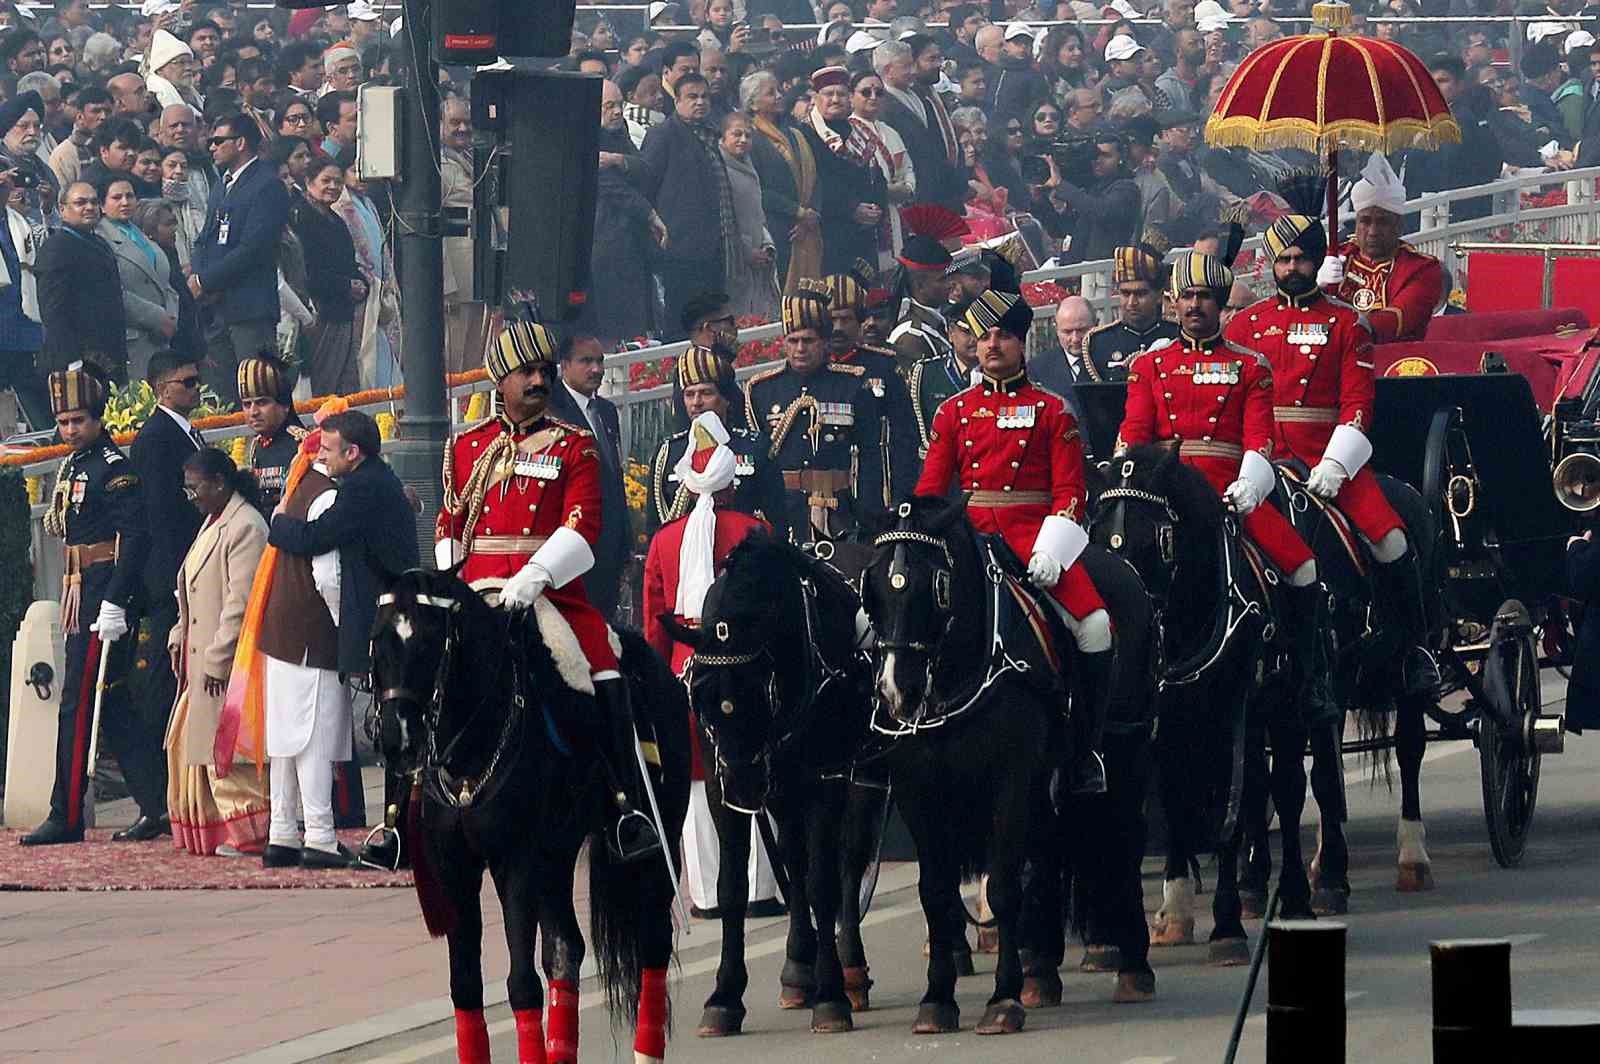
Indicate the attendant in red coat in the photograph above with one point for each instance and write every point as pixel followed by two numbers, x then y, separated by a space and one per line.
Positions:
pixel 1397 287
pixel 1017 451
pixel 522 507
pixel 1321 354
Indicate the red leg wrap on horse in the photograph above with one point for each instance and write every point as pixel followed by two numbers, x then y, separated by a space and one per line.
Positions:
pixel 530 1036
pixel 650 1036
pixel 472 1037
pixel 561 1044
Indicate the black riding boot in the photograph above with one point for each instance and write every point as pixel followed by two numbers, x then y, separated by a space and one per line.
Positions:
pixel 1402 586
pixel 633 837
pixel 1309 652
pixel 1092 694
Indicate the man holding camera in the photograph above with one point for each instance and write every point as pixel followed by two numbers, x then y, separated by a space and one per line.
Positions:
pixel 1096 197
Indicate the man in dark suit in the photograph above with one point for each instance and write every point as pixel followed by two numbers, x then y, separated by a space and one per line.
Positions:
pixel 235 266
pixel 163 444
pixel 909 69
pixel 80 291
pixel 683 177
pixel 576 400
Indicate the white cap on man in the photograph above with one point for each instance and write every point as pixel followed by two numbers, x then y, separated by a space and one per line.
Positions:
pixel 1019 29
pixel 362 11
pixel 1122 47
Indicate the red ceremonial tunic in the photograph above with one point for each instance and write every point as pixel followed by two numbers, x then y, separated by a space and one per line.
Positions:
pixel 1017 450
pixel 1215 398
pixel 661 595
pixel 1321 355
pixel 506 489
pixel 1398 296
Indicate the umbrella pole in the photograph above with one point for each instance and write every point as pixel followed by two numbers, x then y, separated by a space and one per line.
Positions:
pixel 1333 200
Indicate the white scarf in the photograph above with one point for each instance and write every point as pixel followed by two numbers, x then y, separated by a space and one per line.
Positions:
pixel 22 240
pixel 696 565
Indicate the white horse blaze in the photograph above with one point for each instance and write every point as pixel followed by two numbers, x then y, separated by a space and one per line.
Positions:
pixel 402 628
pixel 887 688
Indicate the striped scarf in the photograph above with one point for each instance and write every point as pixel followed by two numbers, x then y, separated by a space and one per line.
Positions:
pixel 732 253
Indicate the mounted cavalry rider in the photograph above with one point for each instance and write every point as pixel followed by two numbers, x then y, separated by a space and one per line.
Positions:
pixel 1016 450
pixel 1137 271
pixel 521 512
pixel 1213 398
pixel 705 384
pixel 1320 349
pixel 1397 287
pixel 898 441
pixel 823 423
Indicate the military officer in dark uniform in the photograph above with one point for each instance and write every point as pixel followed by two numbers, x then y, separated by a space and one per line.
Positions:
pixel 898 440
pixel 97 507
pixel 823 424
pixel 264 393
pixel 1139 275
pixel 706 383
pixel 933 380
pixel 923 290
pixel 709 322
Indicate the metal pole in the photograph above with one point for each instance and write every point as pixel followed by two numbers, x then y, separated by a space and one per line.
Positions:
pixel 416 453
pixel 1471 999
pixel 1305 992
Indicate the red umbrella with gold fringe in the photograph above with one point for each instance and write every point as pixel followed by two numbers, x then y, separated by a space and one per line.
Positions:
pixel 1324 92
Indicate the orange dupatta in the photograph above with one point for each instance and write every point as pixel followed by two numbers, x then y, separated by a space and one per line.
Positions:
pixel 242 728
pixel 805 251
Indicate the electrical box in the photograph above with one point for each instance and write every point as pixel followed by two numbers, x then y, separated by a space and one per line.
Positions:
pixel 378 114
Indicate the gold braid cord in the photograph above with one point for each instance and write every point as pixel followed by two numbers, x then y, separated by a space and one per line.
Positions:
pixel 785 423
pixel 55 517
pixel 476 490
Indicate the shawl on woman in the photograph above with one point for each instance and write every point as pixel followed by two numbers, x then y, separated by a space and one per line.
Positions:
pixel 732 259
pixel 805 246
pixel 753 287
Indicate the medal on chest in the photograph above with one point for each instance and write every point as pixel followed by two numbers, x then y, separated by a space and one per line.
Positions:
pixel 539 467
pixel 1015 417
pixel 838 414
pixel 1216 372
pixel 80 490
pixel 1308 334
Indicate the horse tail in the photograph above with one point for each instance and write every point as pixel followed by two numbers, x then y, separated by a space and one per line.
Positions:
pixel 618 899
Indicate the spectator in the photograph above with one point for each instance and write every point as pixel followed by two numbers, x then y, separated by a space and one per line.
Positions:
pixel 678 59
pixel 1476 160
pixel 1084 108
pixel 1018 88
pixel 714 68
pixel 1159 203
pixel 466 317
pixel 853 194
pixel 685 179
pixel 627 231
pixel 22 51
pixel 130 96
pixel 335 281
pixel 783 158
pixel 920 119
pixel 149 303
pixel 1542 75
pixel 1104 212
pixel 642 101
pixel 1059 369
pixel 74 153
pixel 171 76
pixel 300 69
pixel 205 37
pixel 341 67
pixel 159 223
pixel 889 155
pixel 54 122
pixel 1194 207
pixel 190 195
pixel 20 334
pixel 235 274
pixel 972 86
pixel 20 119
pixel 297 117
pixel 256 88
pixel 116 146
pixel 752 283
pixel 101 52
pixel 972 133
pixel 989 44
pixel 1061 60
pixel 80 291
pixel 336 112
pixel 1178 82
pixel 378 318
pixel 965 22
pixel 1002 161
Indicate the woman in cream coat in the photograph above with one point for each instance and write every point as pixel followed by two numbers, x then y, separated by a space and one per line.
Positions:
pixel 212 814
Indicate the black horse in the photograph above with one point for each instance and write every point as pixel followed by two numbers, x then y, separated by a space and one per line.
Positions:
pixel 969 678
pixel 1222 661
pixel 471 704
pixel 783 697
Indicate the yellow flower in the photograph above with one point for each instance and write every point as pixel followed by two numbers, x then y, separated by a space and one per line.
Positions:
pixel 238 447
pixel 478 406
pixel 35 490
pixel 386 423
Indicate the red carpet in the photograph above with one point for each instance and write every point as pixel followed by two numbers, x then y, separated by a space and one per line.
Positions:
pixel 100 864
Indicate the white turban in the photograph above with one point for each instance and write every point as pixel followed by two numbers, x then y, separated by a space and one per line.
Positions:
pixel 696 562
pixel 164 48
pixel 1379 187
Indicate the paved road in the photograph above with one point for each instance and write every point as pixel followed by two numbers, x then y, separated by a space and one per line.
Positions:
pixel 1550 906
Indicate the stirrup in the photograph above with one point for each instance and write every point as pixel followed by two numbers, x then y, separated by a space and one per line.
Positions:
pixel 1088 774
pixel 378 832
pixel 645 842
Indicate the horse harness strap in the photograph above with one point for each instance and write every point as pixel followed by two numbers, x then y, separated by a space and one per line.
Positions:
pixel 1239 608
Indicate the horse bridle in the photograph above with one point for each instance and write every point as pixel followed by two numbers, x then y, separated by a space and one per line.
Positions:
pixel 1123 494
pixel 898 579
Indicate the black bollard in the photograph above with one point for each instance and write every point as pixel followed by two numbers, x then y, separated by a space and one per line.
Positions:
pixel 1471 999
pixel 1555 1034
pixel 1305 992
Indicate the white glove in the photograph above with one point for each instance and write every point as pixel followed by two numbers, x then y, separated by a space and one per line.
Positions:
pixel 1043 571
pixel 1326 479
pixel 112 624
pixel 1331 273
pixel 1241 495
pixel 528 584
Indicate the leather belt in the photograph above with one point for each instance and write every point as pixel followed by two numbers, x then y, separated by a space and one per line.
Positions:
pixel 83 555
pixel 1321 415
pixel 1210 449
pixel 823 482
pixel 507 544
pixel 998 499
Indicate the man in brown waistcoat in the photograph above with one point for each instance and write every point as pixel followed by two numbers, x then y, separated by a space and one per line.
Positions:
pixel 308 709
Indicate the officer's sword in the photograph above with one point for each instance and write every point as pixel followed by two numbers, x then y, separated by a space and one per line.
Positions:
pixel 99 700
pixel 661 831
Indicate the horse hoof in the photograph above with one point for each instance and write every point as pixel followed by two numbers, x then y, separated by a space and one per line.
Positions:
pixel 937 1019
pixel 1413 878
pixel 1100 958
pixel 988 940
pixel 963 963
pixel 1134 988
pixel 1003 1017
pixel 1041 991
pixel 1252 904
pixel 1330 901
pixel 1230 952
pixel 719 1022
pixel 857 984
pixel 831 1017
pixel 794 997
pixel 1172 931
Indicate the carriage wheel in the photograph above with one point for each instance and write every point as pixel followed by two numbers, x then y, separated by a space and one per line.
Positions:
pixel 1507 756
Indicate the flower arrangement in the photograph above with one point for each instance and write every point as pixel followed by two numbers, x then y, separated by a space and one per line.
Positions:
pixel 636 492
pixel 129 406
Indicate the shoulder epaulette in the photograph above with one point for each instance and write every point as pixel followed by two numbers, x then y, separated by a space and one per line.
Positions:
pixel 1159 344
pixel 876 350
pixel 849 367
pixel 1341 304
pixel 765 375
pixel 1240 349
pixel 111 454
pixel 126 480
pixel 300 432
pixel 907 326
pixel 1092 333
pixel 577 430
pixel 681 433
pixel 1419 254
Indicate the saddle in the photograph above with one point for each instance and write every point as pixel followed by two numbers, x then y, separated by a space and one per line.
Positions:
pixel 1026 621
pixel 1344 561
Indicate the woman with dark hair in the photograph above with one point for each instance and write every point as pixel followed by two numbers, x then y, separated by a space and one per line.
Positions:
pixel 852 196
pixel 1061 60
pixel 334 280
pixel 1002 159
pixel 782 156
pixel 296 117
pixel 150 304
pixel 213 814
